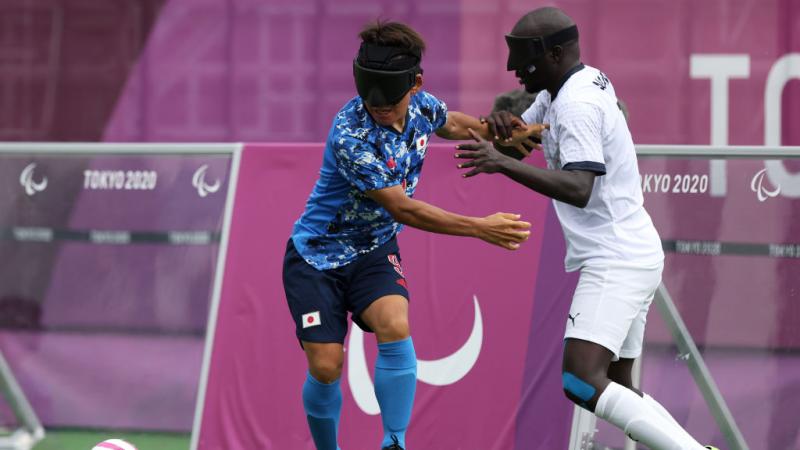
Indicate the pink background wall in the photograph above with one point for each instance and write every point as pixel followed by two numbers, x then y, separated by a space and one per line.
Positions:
pixel 277 70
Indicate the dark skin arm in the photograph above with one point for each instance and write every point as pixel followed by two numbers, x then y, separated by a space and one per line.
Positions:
pixel 568 186
pixel 502 123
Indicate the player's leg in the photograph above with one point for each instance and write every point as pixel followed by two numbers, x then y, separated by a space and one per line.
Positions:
pixel 607 303
pixel 316 303
pixel 379 301
pixel 584 371
pixel 322 395
pixel 395 367
pixel 586 383
pixel 620 371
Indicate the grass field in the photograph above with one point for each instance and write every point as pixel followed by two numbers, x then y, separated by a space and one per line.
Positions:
pixel 85 440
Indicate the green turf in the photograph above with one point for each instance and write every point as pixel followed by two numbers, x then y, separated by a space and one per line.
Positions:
pixel 85 440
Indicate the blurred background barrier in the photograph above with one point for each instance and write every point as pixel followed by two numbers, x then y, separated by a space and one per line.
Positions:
pixel 117 319
pixel 109 259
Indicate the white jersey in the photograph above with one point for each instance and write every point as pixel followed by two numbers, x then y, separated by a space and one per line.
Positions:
pixel 589 132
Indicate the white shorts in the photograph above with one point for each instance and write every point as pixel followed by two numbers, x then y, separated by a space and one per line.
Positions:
pixel 610 306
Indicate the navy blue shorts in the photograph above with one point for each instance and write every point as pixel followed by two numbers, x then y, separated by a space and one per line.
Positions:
pixel 319 300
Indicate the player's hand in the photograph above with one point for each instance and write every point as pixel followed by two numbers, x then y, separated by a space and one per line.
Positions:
pixel 529 133
pixel 524 147
pixel 534 131
pixel 483 157
pixel 504 230
pixel 502 124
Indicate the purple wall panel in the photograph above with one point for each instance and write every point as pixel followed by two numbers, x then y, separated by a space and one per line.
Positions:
pixel 277 70
pixel 63 64
pixel 246 70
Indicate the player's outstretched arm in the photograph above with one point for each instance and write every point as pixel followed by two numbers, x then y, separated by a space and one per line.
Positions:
pixel 569 186
pixel 501 229
pixel 458 125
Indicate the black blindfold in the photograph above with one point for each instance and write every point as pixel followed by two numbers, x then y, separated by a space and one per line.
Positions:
pixel 383 75
pixel 523 50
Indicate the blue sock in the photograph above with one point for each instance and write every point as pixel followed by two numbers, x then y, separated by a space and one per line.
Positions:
pixel 395 385
pixel 323 404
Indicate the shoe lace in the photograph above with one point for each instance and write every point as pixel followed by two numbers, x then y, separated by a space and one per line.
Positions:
pixel 395 444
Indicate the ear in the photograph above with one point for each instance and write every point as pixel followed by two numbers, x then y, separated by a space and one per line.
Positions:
pixel 557 53
pixel 417 84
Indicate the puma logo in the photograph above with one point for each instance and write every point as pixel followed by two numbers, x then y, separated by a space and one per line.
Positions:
pixel 572 318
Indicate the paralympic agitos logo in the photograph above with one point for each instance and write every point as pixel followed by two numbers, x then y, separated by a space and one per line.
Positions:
pixel 199 182
pixel 438 372
pixel 26 179
pixel 757 186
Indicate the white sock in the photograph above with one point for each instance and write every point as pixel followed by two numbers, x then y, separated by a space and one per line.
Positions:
pixel 626 410
pixel 651 402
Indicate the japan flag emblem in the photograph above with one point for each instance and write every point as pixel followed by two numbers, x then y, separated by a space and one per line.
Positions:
pixel 311 319
pixel 422 142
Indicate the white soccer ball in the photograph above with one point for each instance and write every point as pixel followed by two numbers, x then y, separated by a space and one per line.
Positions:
pixel 114 444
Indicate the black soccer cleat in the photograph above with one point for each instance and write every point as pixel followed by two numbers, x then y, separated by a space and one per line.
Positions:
pixel 395 444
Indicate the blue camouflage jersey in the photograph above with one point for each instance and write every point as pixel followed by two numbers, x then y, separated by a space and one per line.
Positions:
pixel 340 222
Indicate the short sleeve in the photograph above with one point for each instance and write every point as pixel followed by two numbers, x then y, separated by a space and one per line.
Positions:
pixel 358 162
pixel 580 139
pixel 534 113
pixel 433 109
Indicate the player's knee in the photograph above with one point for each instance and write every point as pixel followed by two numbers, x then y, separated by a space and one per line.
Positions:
pixel 326 370
pixel 392 329
pixel 324 361
pixel 593 374
pixel 578 389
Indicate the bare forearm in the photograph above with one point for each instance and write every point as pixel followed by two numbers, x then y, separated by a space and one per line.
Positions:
pixel 425 216
pixel 562 185
pixel 457 125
